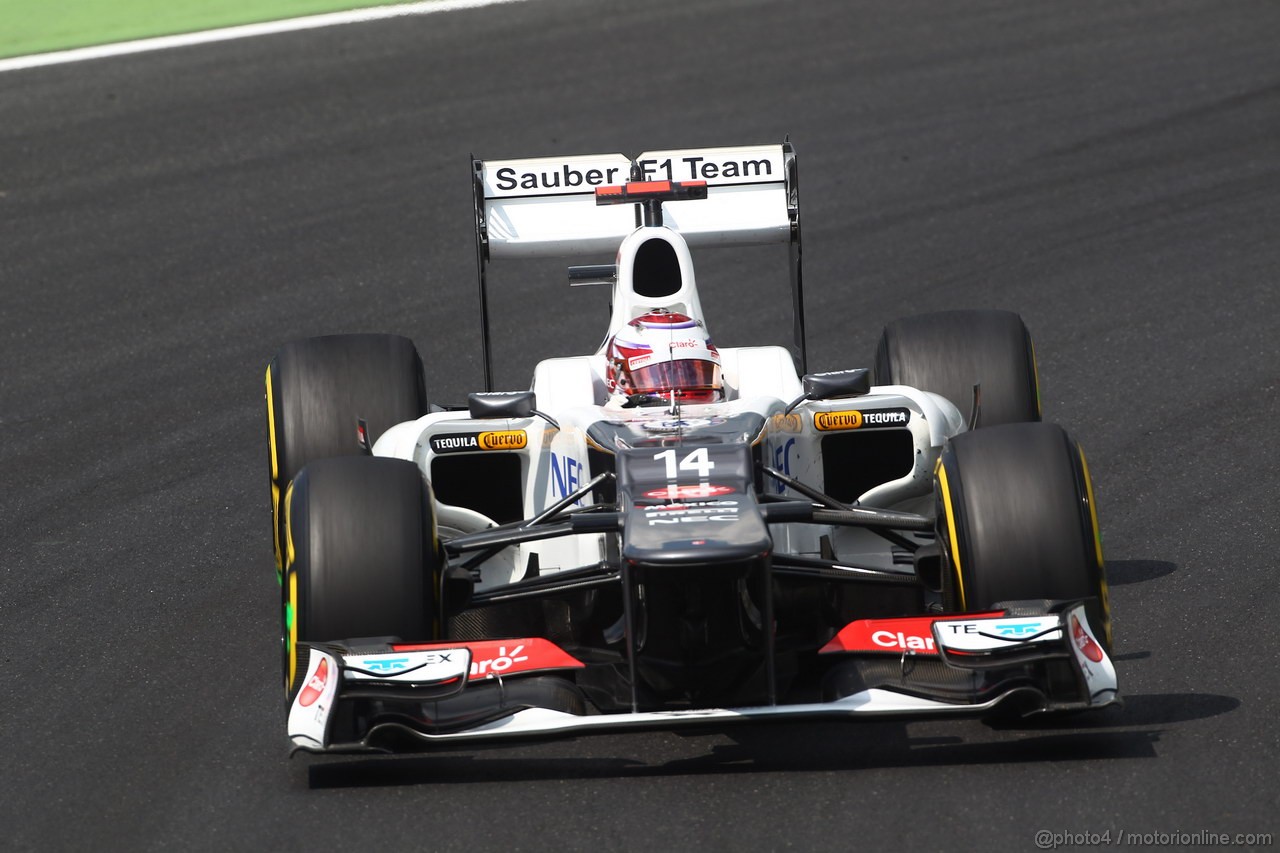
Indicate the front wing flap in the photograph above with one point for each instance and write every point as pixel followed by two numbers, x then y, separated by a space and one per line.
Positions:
pixel 408 697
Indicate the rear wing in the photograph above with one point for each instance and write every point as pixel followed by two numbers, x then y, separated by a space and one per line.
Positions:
pixel 546 208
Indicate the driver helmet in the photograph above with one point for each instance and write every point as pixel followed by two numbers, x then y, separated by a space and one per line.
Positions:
pixel 663 355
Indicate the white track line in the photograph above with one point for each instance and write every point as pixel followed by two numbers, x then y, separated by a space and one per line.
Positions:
pixel 332 19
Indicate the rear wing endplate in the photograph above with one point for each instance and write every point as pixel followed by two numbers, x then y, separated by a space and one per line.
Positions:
pixel 546 208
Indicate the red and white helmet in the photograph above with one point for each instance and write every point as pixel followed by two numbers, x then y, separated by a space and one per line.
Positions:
pixel 662 353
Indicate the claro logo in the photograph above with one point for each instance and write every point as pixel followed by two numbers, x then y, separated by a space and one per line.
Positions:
pixel 315 685
pixel 897 640
pixel 1084 642
pixel 831 421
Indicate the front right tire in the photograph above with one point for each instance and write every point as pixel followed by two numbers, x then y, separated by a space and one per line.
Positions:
pixel 361 555
pixel 1017 521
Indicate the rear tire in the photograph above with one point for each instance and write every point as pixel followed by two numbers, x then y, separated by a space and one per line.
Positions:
pixel 317 391
pixel 361 555
pixel 1017 521
pixel 951 351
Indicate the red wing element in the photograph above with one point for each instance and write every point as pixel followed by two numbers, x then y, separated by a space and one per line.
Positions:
pixel 505 657
pixel 1084 642
pixel 639 191
pixel 911 634
pixel 315 686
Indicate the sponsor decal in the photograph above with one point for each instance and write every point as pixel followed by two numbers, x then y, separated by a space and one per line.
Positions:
pixel 679 493
pixel 566 476
pixel 1017 629
pixel 558 177
pixel 502 661
pixel 579 174
pixel 790 422
pixel 692 513
pixel 855 419
pixel 315 685
pixel 491 658
pixel 989 635
pixel 1099 674
pixel 885 635
pixel 640 360
pixel 827 421
pixel 439 665
pixel 471 442
pixel 782 462
pixel 677 424
pixel 1085 643
pixel 511 439
pixel 898 641
pixel 911 634
pixel 384 664
pixel 311 708
pixel 721 166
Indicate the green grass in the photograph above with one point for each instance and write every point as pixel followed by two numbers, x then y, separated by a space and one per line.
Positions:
pixel 39 26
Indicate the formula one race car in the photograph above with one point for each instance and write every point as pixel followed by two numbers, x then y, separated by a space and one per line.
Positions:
pixel 664 532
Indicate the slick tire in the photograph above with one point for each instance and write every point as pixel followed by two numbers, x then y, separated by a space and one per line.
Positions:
pixel 318 389
pixel 1017 521
pixel 361 557
pixel 951 351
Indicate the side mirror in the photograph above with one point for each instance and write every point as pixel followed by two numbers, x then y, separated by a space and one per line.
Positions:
pixel 838 383
pixel 501 404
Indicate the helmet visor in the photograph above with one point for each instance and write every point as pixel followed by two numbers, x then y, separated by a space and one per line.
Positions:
pixel 683 375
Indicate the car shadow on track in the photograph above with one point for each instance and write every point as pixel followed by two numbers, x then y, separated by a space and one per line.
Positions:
pixel 1128 733
pixel 1122 572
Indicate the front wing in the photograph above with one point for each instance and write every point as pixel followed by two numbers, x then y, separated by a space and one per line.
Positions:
pixel 394 697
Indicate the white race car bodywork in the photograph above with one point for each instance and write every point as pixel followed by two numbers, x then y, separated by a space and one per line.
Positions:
pixel 544 207
pixel 761 380
pixel 553 461
pixel 832 490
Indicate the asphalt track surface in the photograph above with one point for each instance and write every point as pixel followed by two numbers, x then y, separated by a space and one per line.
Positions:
pixel 1110 170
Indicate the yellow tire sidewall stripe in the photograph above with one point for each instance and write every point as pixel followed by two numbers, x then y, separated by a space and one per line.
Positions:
pixel 275 475
pixel 1097 543
pixel 271 427
pixel 292 626
pixel 293 629
pixel 940 471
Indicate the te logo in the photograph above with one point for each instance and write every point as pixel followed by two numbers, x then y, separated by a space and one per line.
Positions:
pixel 385 664
pixel 1020 629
